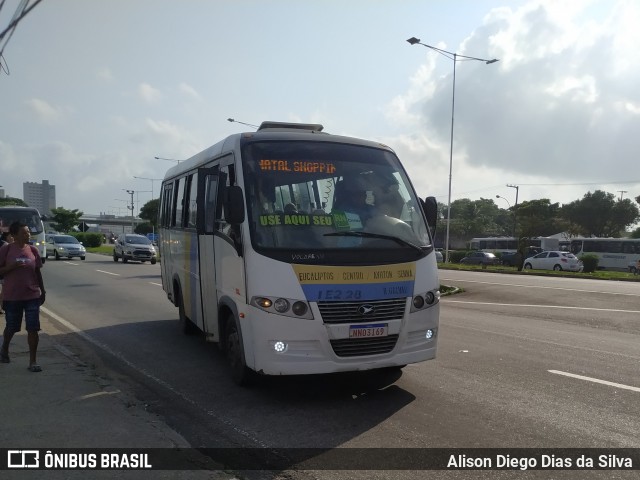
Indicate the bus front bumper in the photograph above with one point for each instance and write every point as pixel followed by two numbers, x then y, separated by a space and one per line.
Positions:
pixel 280 345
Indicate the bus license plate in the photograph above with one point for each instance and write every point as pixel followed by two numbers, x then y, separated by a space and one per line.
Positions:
pixel 369 331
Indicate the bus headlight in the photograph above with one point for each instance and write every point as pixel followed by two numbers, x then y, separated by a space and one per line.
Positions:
pixel 425 300
pixel 299 308
pixel 283 306
pixel 263 302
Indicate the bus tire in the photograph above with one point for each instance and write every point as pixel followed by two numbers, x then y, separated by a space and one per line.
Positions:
pixel 240 373
pixel 56 255
pixel 186 326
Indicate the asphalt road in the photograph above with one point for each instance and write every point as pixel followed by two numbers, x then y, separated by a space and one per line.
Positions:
pixel 523 361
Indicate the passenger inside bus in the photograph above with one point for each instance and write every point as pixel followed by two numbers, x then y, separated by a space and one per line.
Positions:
pixel 351 198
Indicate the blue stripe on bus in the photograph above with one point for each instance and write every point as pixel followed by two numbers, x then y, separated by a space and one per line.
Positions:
pixel 357 291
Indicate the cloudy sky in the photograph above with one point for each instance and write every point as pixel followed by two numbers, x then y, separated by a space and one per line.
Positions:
pixel 96 89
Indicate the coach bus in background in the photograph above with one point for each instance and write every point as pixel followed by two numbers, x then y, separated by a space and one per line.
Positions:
pixel 613 253
pixel 300 252
pixel 31 218
pixel 510 244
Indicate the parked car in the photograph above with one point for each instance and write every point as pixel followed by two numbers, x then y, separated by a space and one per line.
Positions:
pixel 480 258
pixel 131 246
pixel 554 260
pixel 439 256
pixel 64 246
pixel 511 258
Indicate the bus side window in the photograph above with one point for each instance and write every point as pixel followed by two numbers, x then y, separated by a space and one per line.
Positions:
pixel 192 212
pixel 211 192
pixel 178 204
pixel 227 173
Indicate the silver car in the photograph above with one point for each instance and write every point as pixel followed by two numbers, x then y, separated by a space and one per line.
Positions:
pixel 131 246
pixel 64 246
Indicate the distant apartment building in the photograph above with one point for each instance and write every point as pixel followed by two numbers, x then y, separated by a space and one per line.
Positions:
pixel 40 195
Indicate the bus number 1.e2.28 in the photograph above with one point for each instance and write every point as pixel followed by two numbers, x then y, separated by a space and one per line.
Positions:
pixel 339 294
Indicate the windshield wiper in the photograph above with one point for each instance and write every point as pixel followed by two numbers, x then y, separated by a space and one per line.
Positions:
pixel 399 240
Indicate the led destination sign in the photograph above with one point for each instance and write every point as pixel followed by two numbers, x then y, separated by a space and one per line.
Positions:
pixel 298 166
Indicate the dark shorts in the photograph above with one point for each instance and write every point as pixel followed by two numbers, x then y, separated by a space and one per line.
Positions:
pixel 13 311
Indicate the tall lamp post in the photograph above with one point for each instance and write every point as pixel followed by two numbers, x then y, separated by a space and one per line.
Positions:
pixel 508 203
pixel 515 208
pixel 151 180
pixel 168 159
pixel 131 192
pixel 456 58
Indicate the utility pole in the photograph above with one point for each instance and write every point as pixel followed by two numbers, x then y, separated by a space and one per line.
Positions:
pixel 515 209
pixel 621 193
pixel 132 207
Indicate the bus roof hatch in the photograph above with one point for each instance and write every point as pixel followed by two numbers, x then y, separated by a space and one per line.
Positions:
pixel 288 126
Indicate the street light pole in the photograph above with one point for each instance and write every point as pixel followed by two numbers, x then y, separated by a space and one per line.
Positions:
pixel 152 180
pixel 232 120
pixel 456 58
pixel 508 203
pixel 515 208
pixel 131 192
pixel 168 159
pixel 498 196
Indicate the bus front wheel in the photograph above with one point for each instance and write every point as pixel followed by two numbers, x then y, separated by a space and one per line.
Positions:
pixel 186 326
pixel 240 373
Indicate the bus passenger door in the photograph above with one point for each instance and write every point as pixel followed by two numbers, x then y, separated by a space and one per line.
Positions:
pixel 207 204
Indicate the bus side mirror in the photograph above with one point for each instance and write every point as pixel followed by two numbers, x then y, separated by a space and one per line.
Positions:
pixel 234 205
pixel 430 208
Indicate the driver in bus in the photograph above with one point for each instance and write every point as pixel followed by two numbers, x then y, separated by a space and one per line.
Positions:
pixel 388 206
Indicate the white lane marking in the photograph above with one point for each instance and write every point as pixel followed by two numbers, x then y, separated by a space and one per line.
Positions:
pixel 142 371
pixel 523 305
pixel 154 283
pixel 108 273
pixel 540 286
pixel 97 394
pixel 596 380
pixel 547 342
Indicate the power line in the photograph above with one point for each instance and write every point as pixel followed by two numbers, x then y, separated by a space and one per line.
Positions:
pixel 492 187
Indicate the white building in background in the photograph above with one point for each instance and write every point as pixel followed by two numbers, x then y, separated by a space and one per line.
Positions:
pixel 40 195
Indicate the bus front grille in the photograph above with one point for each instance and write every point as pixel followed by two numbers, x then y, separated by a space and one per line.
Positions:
pixel 355 347
pixel 352 312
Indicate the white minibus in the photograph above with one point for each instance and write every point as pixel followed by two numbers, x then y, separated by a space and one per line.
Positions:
pixel 31 218
pixel 301 252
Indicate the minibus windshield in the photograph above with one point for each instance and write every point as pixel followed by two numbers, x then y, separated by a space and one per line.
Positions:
pixel 306 195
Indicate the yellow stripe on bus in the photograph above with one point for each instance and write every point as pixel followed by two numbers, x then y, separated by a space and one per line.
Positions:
pixel 316 274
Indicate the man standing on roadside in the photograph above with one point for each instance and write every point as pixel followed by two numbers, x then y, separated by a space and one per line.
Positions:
pixel 23 291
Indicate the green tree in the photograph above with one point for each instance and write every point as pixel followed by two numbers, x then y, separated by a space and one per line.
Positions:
pixel 149 212
pixel 474 218
pixel 599 214
pixel 536 218
pixel 65 219
pixel 7 201
pixel 143 228
pixel 635 233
